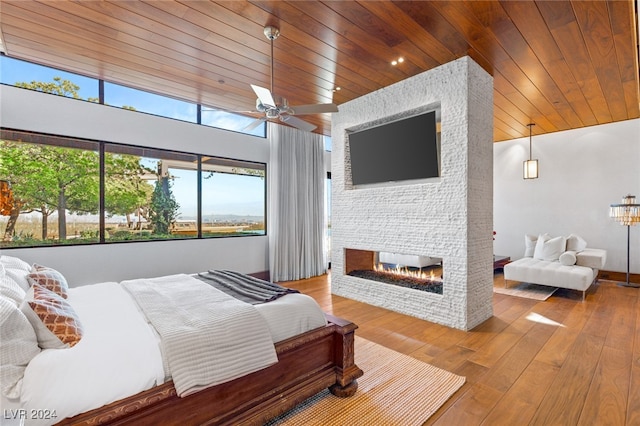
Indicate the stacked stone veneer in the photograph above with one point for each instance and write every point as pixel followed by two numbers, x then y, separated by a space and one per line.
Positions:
pixel 450 217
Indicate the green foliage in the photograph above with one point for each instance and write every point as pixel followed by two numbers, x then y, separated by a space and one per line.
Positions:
pixel 125 191
pixel 57 87
pixel 164 208
pixel 48 178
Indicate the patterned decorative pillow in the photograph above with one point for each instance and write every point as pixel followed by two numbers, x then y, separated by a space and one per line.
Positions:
pixel 19 346
pixel 48 278
pixel 54 320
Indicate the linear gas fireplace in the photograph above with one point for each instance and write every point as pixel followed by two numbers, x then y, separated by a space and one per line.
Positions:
pixel 422 273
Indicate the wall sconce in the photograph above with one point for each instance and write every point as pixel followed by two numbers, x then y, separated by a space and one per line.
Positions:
pixel 530 169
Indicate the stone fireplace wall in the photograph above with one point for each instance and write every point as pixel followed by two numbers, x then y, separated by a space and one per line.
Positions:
pixel 450 217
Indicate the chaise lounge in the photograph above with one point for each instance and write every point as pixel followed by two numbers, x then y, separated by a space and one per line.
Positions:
pixel 557 262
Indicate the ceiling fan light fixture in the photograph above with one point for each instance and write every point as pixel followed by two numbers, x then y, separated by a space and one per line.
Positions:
pixel 260 106
pixel 271 32
pixel 277 106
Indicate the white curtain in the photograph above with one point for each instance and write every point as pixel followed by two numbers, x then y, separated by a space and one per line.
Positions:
pixel 296 220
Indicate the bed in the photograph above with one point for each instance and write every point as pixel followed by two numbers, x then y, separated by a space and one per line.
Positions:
pixel 117 373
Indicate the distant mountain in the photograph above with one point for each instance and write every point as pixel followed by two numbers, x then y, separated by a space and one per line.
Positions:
pixel 226 218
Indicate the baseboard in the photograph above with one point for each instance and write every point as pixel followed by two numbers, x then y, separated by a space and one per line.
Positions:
pixel 619 276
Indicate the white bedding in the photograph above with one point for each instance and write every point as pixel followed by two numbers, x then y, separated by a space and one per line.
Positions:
pixel 208 337
pixel 119 354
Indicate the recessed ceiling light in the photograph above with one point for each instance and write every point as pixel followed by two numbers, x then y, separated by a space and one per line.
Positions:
pixel 397 61
pixel 337 88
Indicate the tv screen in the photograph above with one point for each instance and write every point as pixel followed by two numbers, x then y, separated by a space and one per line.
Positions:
pixel 401 150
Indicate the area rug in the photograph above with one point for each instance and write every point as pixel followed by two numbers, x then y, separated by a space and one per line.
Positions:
pixel 396 389
pixel 528 291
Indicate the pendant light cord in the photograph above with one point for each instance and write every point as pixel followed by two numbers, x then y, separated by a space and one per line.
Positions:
pixel 271 38
pixel 530 125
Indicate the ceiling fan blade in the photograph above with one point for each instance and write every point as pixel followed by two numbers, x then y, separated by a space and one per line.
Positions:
pixel 249 127
pixel 264 95
pixel 298 123
pixel 314 109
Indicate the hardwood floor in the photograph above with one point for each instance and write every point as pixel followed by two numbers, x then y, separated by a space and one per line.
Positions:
pixel 557 362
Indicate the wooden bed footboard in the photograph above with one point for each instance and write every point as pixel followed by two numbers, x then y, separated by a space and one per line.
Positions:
pixel 307 364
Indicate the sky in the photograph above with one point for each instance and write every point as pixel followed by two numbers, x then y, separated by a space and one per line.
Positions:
pixel 13 71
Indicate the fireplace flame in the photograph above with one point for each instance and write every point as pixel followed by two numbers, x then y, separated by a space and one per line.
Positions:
pixel 403 271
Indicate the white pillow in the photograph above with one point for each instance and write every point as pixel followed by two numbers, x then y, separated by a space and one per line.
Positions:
pixel 568 258
pixel 576 243
pixel 14 263
pixel 529 245
pixel 549 249
pixel 537 251
pixel 19 346
pixel 10 289
pixel 19 276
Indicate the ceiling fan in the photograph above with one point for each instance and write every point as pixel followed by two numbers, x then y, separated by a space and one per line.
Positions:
pixel 276 106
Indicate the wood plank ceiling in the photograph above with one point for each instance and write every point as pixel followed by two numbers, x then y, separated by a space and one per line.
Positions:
pixel 559 64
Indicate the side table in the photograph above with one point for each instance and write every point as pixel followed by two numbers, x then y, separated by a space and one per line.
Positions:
pixel 499 261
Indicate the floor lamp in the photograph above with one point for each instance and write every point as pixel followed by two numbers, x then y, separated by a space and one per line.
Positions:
pixel 628 214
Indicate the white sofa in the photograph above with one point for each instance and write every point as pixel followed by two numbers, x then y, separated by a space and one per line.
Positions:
pixel 410 260
pixel 557 262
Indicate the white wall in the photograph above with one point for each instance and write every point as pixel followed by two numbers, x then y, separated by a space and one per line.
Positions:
pixel 582 172
pixel 32 111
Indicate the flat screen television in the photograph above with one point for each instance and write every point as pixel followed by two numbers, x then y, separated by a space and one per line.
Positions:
pixel 402 150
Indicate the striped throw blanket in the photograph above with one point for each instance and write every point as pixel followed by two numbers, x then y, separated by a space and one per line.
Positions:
pixel 208 337
pixel 244 287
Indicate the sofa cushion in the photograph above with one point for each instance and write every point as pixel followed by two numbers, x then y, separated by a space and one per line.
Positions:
pixel 529 244
pixel 537 251
pixel 592 258
pixel 549 249
pixel 576 243
pixel 568 258
pixel 554 274
pixel 414 261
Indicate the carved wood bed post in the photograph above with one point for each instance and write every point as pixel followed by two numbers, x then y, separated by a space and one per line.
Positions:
pixel 346 370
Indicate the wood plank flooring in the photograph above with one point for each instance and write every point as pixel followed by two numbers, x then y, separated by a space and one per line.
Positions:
pixel 557 362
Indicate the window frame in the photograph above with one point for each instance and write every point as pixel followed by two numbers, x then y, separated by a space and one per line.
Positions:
pixel 102 149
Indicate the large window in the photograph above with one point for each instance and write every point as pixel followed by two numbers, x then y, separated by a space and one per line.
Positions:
pixel 237 123
pixel 233 198
pixel 52 192
pixel 52 187
pixel 141 101
pixel 49 80
pixel 149 194
pixel 44 79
